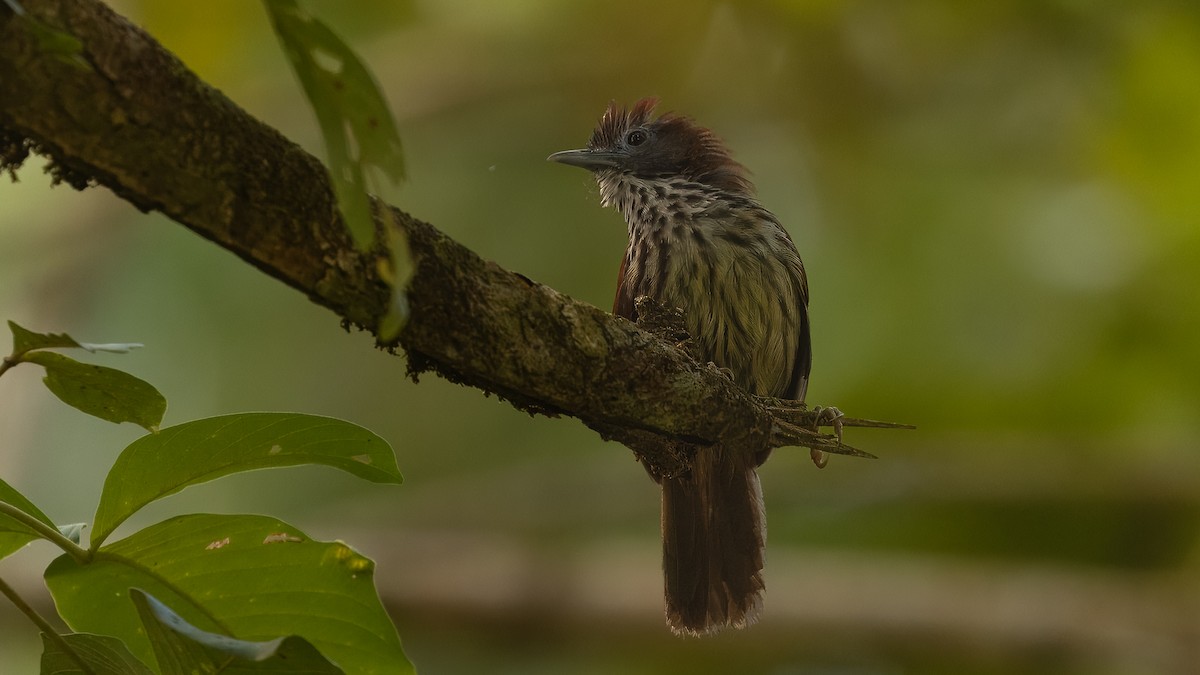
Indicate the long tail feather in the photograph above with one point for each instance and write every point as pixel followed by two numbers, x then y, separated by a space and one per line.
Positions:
pixel 714 536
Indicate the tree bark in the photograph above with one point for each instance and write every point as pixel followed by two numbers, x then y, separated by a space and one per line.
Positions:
pixel 128 115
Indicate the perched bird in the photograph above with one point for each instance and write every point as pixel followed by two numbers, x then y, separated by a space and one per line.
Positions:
pixel 700 242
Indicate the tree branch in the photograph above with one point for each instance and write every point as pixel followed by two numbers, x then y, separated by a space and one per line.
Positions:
pixel 137 121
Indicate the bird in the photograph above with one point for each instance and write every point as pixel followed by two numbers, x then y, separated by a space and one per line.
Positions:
pixel 700 242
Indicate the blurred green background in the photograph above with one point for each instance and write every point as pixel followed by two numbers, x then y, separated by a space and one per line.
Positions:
pixel 999 208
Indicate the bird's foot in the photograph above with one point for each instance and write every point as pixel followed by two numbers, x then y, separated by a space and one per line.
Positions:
pixel 830 416
pixel 826 416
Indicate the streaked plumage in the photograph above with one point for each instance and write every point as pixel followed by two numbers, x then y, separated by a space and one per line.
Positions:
pixel 699 240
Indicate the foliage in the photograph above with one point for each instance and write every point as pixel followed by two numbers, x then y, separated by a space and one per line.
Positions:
pixel 200 592
pixel 359 132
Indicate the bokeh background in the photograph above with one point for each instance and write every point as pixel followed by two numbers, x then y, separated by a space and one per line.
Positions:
pixel 999 207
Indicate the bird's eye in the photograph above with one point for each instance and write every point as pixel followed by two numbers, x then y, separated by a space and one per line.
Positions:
pixel 636 137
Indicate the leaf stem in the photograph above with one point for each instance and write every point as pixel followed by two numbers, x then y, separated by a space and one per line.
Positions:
pixel 44 625
pixel 80 554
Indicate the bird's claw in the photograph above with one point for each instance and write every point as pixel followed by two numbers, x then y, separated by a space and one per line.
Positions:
pixel 818 457
pixel 831 416
pixel 826 416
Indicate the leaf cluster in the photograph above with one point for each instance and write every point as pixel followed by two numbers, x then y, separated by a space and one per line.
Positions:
pixel 199 592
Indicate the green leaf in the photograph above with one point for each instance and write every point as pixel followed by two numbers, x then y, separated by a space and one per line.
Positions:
pixel 251 576
pixel 353 115
pixel 107 393
pixel 164 463
pixel 13 533
pixel 26 340
pixel 105 655
pixel 181 648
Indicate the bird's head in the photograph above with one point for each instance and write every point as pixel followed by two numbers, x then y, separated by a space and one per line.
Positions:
pixel 671 146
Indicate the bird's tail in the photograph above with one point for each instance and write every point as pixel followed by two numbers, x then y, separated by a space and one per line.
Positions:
pixel 714 536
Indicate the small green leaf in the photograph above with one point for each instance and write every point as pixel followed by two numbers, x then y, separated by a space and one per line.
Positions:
pixel 354 117
pixel 103 654
pixel 164 463
pixel 13 533
pixel 251 576
pixel 182 649
pixel 25 340
pixel 107 393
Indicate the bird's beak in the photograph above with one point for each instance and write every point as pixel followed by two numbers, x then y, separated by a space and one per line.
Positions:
pixel 592 160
